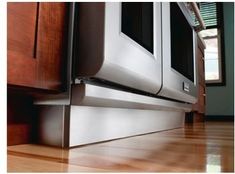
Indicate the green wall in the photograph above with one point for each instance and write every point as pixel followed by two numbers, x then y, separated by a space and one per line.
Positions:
pixel 220 99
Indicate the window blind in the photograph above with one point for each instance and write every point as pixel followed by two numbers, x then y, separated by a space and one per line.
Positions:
pixel 210 14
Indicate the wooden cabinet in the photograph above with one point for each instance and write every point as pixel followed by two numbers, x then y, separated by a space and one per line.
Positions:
pixel 198 111
pixel 36 42
pixel 20 116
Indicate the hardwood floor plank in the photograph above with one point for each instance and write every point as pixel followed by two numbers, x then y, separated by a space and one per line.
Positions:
pixel 201 147
pixel 25 164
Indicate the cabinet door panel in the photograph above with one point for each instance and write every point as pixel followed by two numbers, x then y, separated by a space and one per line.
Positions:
pixel 21 28
pixel 36 44
pixel 51 44
pixel 21 70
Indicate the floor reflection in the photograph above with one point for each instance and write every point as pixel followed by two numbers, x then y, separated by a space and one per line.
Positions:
pixel 205 147
pixel 213 163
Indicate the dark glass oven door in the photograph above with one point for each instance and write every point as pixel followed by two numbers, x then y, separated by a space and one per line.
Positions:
pixel 137 23
pixel 182 55
pixel 178 53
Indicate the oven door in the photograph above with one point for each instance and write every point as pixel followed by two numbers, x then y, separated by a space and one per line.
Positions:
pixel 130 53
pixel 179 54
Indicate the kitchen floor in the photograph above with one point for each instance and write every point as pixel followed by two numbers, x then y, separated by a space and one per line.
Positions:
pixel 202 147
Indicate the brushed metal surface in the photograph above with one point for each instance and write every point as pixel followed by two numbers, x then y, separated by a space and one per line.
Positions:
pixel 95 124
pixel 51 125
pixel 117 58
pixel 68 126
pixel 91 95
pixel 99 113
pixel 172 80
pixel 89 53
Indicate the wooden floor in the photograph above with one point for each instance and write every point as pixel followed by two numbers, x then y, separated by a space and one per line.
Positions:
pixel 205 147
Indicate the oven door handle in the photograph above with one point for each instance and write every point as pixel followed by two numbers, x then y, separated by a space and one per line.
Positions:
pixel 198 16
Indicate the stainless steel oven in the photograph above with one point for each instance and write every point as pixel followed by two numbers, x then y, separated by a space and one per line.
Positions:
pixel 120 43
pixel 179 53
pixel 148 46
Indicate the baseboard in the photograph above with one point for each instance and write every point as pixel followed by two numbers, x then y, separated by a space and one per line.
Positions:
pixel 96 124
pixel 219 118
pixel 98 114
pixel 70 126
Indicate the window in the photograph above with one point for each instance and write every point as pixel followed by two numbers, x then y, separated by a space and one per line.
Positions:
pixel 212 55
pixel 213 37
